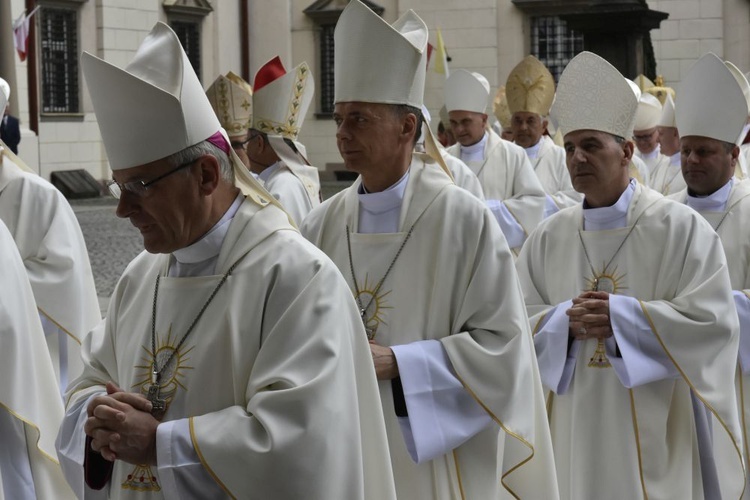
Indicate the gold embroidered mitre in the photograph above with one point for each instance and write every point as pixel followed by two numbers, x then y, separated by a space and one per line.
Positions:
pixel 231 98
pixel 660 91
pixel 500 108
pixel 530 87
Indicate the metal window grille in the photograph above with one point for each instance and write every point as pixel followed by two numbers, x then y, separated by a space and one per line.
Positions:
pixel 59 60
pixel 190 37
pixel 326 68
pixel 553 43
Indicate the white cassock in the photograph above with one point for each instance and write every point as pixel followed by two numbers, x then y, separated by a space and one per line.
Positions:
pixel 666 176
pixel 629 430
pixel 728 210
pixel 54 253
pixel 452 311
pixel 272 396
pixel 297 194
pixel 30 405
pixel 462 174
pixel 511 189
pixel 548 160
pixel 639 171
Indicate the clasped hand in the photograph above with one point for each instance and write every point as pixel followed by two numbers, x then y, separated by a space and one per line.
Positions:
pixel 589 317
pixel 121 426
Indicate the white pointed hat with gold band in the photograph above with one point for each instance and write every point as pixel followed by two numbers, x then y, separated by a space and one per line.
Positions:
pixel 231 98
pixel 667 113
pixel 593 95
pixel 156 107
pixel 530 87
pixel 648 113
pixel 280 103
pixel 711 102
pixel 377 62
pixel 467 91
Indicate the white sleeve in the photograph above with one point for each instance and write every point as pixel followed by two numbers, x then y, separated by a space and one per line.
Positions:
pixel 510 227
pixel 556 362
pixel 71 451
pixel 442 414
pixel 550 207
pixel 181 472
pixel 15 470
pixel 743 310
pixel 642 358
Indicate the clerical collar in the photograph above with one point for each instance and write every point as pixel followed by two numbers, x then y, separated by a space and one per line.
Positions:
pixel 714 202
pixel 383 201
pixel 611 217
pixel 675 159
pixel 533 151
pixel 209 245
pixel 475 152
pixel 650 156
pixel 269 171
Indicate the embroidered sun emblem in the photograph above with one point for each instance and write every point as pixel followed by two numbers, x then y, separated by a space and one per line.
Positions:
pixel 606 280
pixel 172 376
pixel 375 306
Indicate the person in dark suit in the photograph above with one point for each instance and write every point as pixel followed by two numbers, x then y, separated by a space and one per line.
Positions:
pixel 10 132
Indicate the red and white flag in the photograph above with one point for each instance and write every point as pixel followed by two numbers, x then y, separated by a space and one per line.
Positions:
pixel 21 33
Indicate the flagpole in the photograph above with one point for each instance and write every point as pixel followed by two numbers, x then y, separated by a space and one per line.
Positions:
pixel 8 56
pixel 31 71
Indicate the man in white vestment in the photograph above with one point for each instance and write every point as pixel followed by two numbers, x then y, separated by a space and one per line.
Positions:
pixel 54 254
pixel 630 301
pixel 646 133
pixel 667 177
pixel 231 98
pixel 30 405
pixel 530 90
pixel 280 102
pixel 511 189
pixel 434 280
pixel 232 363
pixel 710 119
pixel 462 175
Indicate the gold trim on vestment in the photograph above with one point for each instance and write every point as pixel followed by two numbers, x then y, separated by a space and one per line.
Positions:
pixel 742 410
pixel 36 428
pixel 204 462
pixel 59 325
pixel 637 442
pixel 698 395
pixel 507 431
pixel 550 400
pixel 458 475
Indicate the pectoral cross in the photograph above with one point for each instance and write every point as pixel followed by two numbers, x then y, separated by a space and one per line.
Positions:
pixel 158 405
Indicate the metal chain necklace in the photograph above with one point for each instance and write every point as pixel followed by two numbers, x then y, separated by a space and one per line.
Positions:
pixel 599 359
pixel 158 404
pixel 363 308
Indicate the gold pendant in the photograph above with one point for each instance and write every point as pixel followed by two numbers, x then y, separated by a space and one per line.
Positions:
pixel 599 359
pixel 141 479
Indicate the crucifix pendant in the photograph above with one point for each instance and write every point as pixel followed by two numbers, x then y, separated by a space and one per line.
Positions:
pixel 595 288
pixel 158 405
pixel 370 331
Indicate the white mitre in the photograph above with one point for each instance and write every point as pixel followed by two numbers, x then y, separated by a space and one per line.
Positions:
pixel 593 95
pixel 156 107
pixel 741 80
pixel 231 98
pixel 5 94
pixel 711 102
pixel 643 82
pixel 376 62
pixel 648 113
pixel 467 91
pixel 667 113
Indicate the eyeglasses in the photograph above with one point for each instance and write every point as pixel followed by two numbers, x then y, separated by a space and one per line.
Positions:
pixel 644 137
pixel 240 144
pixel 140 188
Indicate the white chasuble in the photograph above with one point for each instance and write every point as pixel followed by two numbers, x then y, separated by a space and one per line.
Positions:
pixel 294 192
pixel 666 176
pixel 54 253
pixel 453 282
pixel 462 174
pixel 730 223
pixel 275 383
pixel 639 171
pixel 506 175
pixel 30 405
pixel 640 442
pixel 552 171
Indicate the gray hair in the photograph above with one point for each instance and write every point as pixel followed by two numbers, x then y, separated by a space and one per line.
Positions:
pixel 192 153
